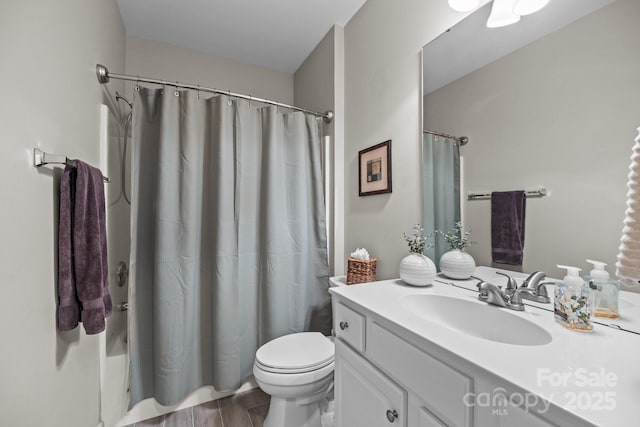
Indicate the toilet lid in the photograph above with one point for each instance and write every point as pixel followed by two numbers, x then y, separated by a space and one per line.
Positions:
pixel 304 351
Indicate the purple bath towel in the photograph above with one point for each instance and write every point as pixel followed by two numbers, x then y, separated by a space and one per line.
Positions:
pixel 68 304
pixel 507 227
pixel 83 282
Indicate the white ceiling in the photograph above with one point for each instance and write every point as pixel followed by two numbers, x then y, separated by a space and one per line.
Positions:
pixel 276 34
pixel 470 45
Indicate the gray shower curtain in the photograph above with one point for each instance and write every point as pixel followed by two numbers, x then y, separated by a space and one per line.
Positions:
pixel 440 189
pixel 228 239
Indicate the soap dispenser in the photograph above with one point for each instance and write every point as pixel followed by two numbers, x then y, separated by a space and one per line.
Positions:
pixel 605 291
pixel 572 302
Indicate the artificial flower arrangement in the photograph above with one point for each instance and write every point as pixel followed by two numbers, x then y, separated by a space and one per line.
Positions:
pixel 417 241
pixel 456 238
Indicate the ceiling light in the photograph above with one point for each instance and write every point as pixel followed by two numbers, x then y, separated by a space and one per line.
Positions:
pixel 464 5
pixel 502 14
pixel 527 7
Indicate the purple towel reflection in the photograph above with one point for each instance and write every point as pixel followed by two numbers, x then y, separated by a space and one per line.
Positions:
pixel 508 210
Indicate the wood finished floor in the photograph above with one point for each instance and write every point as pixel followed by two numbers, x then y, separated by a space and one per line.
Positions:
pixel 247 409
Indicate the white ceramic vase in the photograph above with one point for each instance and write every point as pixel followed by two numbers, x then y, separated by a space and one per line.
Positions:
pixel 457 264
pixel 417 270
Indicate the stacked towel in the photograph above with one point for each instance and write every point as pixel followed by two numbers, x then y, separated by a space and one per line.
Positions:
pixel 507 226
pixel 83 280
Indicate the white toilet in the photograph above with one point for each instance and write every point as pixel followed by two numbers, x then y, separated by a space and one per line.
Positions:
pixel 297 371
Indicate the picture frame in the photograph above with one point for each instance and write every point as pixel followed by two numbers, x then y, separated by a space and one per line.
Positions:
pixel 374 169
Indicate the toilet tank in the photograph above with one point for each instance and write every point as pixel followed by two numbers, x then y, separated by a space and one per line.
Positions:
pixel 337 281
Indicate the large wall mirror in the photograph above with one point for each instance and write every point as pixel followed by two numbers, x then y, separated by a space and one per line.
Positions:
pixel 556 107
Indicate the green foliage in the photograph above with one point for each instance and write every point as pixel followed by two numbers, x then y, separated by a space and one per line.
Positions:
pixel 418 241
pixel 456 238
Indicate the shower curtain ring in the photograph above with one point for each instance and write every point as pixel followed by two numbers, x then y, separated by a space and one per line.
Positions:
pixel 176 91
pixel 229 98
pixel 198 92
pixel 137 88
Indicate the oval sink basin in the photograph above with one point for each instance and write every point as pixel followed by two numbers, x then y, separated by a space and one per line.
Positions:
pixel 479 320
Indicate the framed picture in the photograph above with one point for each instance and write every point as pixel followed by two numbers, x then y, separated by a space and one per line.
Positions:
pixel 374 169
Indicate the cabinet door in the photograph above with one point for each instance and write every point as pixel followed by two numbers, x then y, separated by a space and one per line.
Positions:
pixel 427 419
pixel 502 413
pixel 364 397
pixel 440 387
pixel 512 415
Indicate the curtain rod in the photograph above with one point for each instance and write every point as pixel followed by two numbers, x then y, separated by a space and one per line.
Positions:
pixel 104 76
pixel 463 140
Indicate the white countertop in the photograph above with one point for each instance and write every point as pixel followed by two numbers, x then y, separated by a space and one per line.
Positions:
pixel 594 356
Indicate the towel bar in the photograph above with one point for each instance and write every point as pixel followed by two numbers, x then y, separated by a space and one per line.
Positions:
pixel 123 306
pixel 40 158
pixel 542 192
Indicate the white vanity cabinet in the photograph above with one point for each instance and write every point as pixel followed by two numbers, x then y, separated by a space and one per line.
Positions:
pixel 382 379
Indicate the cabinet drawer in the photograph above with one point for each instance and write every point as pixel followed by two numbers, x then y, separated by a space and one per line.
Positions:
pixel 441 388
pixel 349 326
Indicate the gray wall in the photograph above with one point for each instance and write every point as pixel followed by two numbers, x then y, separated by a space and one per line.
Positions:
pixel 50 99
pixel 383 44
pixel 561 113
pixel 167 62
pixel 319 86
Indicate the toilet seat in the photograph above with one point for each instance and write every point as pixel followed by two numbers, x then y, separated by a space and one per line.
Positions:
pixel 292 371
pixel 296 353
pixel 291 379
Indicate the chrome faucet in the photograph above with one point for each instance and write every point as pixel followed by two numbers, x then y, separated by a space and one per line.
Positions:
pixel 493 294
pixel 534 289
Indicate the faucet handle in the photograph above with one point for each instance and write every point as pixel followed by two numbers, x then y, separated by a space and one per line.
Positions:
pixel 533 280
pixel 516 298
pixel 512 285
pixel 515 301
pixel 482 288
pixel 541 290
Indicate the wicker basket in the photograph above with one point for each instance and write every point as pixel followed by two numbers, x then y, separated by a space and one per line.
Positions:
pixel 361 271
